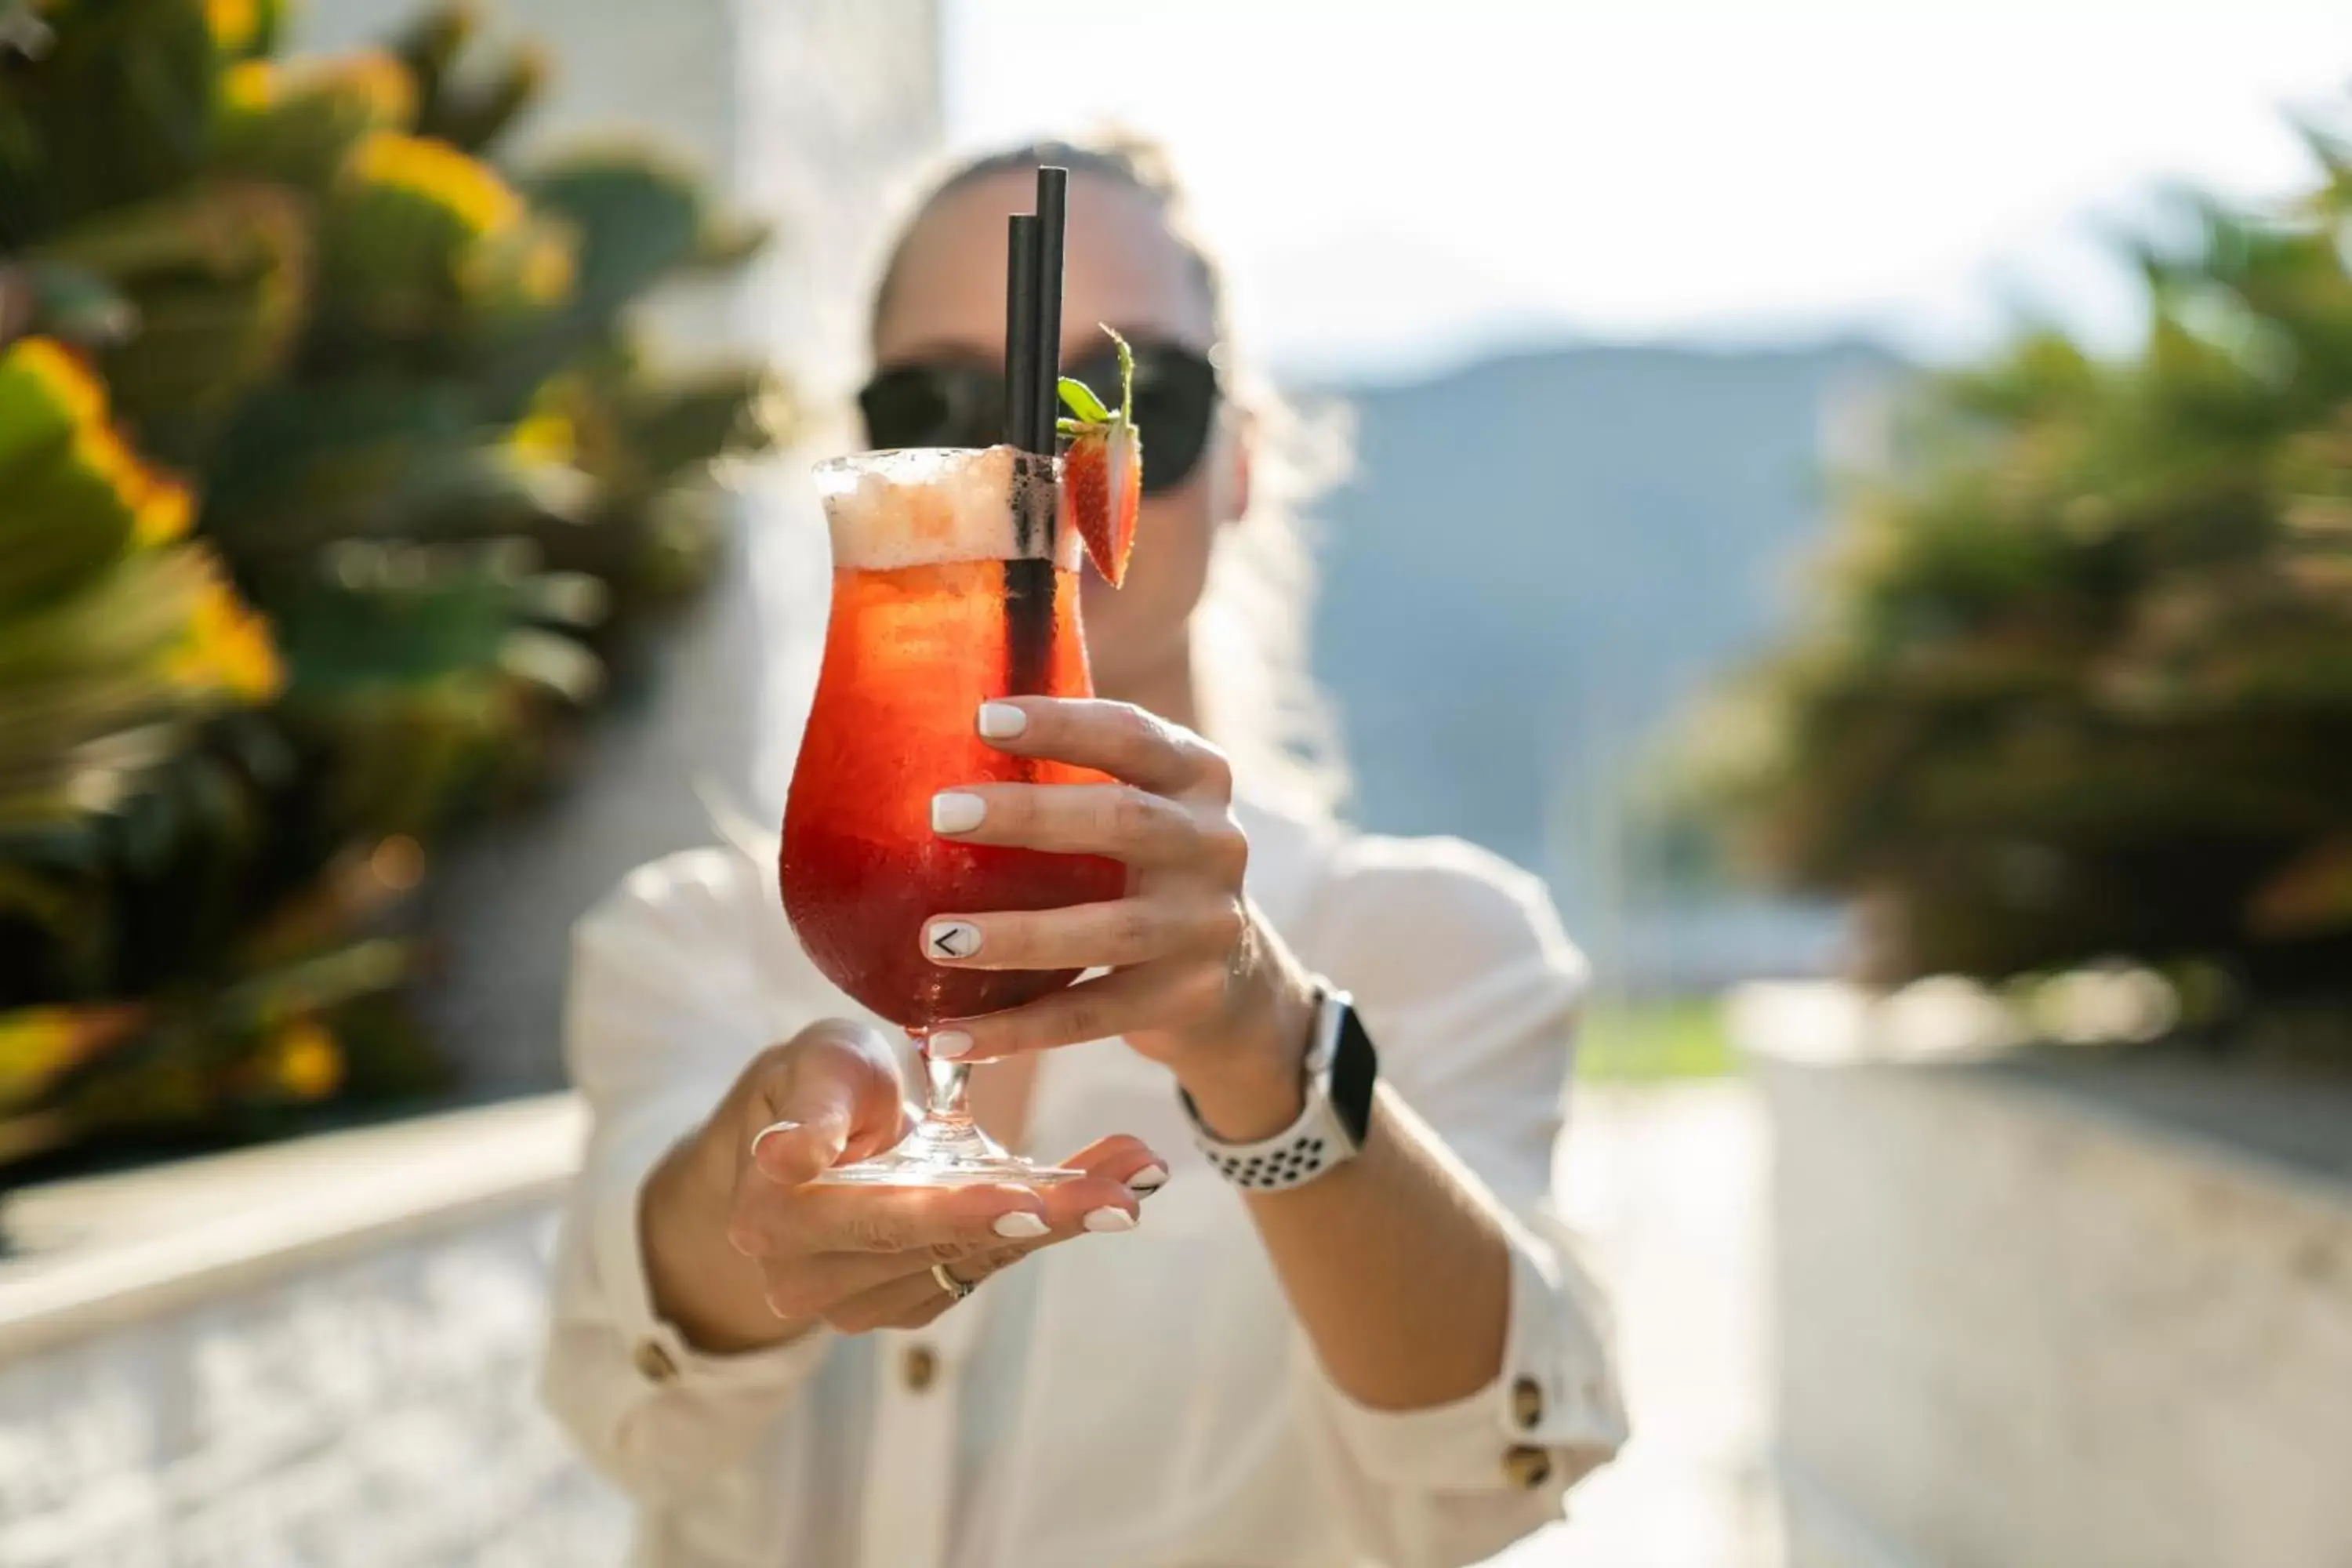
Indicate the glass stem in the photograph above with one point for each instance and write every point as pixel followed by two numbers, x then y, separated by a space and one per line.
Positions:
pixel 950 1095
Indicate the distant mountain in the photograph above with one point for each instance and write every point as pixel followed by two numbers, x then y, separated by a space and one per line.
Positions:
pixel 1540 559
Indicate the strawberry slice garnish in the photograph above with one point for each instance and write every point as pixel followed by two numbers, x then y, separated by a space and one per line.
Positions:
pixel 1102 471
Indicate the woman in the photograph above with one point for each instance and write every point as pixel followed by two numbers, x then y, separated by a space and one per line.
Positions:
pixel 1394 1358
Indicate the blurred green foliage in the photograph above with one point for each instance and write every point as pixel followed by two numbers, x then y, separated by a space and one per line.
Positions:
pixel 333 479
pixel 2081 680
pixel 1654 1039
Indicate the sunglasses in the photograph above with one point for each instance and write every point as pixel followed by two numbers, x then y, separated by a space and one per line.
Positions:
pixel 961 403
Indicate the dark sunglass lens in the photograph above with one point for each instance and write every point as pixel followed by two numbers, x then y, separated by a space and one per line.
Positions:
pixel 905 408
pixel 931 406
pixel 1175 433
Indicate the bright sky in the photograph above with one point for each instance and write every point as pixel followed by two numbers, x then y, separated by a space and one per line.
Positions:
pixel 1398 184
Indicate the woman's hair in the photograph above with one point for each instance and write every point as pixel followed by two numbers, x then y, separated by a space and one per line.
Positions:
pixel 1258 691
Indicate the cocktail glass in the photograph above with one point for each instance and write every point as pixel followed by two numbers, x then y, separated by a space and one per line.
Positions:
pixel 951 585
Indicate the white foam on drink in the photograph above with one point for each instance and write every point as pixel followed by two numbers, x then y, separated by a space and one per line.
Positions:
pixel 926 505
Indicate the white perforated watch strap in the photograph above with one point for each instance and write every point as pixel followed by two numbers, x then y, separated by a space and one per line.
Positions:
pixel 1314 1143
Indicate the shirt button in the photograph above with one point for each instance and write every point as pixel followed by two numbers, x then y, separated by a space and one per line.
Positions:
pixel 920 1367
pixel 1527 1403
pixel 654 1362
pixel 1528 1468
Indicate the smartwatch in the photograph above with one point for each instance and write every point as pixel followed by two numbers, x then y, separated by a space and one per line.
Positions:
pixel 1339 1070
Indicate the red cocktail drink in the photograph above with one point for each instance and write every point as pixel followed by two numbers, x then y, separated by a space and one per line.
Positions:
pixel 949 588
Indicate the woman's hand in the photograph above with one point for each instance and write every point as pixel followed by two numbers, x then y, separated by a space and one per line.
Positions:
pixel 855 1258
pixel 1199 981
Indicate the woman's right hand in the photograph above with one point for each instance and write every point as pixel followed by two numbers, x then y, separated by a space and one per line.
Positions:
pixel 743 1251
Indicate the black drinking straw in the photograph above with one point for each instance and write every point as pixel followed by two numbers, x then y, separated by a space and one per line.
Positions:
pixel 1053 199
pixel 1033 295
pixel 1032 316
pixel 1020 358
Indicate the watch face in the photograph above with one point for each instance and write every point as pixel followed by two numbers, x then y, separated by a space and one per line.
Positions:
pixel 1354 1067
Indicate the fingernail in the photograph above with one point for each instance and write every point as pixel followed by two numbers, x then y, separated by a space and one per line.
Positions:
pixel 952 811
pixel 948 1044
pixel 1022 1226
pixel 1108 1218
pixel 1150 1179
pixel 951 939
pixel 1001 720
pixel 772 1129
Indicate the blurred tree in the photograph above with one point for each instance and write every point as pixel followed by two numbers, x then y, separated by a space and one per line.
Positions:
pixel 2081 682
pixel 412 429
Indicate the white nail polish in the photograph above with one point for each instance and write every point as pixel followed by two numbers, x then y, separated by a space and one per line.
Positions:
pixel 1001 720
pixel 1107 1218
pixel 948 1044
pixel 772 1129
pixel 951 939
pixel 1150 1179
pixel 952 811
pixel 1020 1225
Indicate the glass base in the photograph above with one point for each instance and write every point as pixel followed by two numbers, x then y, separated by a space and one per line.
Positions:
pixel 947 1154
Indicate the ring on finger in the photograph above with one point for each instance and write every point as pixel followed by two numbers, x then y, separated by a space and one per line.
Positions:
pixel 957 1289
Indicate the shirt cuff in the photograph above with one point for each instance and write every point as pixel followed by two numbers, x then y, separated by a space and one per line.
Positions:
pixel 1552 1414
pixel 659 1356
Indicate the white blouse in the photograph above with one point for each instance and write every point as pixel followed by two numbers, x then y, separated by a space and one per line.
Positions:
pixel 1145 1399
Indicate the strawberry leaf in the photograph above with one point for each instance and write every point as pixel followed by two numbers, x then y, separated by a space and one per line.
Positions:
pixel 1082 401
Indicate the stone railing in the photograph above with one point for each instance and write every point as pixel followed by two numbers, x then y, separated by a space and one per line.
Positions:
pixel 2067 1307
pixel 321 1352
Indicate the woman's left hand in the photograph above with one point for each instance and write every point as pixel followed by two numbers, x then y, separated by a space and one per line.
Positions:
pixel 1199 981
